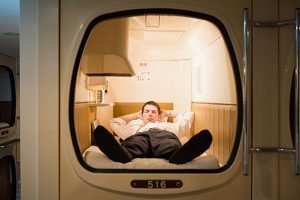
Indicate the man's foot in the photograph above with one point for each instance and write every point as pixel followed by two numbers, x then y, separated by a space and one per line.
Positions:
pixel 193 148
pixel 109 146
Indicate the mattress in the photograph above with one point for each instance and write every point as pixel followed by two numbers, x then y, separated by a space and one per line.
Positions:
pixel 97 159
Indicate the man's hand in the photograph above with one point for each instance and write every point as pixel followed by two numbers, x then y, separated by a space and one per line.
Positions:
pixel 167 113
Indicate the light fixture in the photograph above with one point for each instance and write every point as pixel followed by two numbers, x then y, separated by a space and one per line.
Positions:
pixel 152 21
pixel 106 50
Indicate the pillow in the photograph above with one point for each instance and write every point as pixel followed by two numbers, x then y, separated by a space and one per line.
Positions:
pixel 186 115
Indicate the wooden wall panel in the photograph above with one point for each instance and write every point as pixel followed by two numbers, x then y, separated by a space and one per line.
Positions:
pixel 83 117
pixel 220 120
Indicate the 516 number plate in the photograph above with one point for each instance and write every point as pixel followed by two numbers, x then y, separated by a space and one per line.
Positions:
pixel 156 184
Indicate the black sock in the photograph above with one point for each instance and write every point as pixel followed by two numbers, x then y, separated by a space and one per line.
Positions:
pixel 194 147
pixel 109 146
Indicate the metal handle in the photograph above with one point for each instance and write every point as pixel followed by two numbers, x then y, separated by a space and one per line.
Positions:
pixel 9 143
pixel 245 92
pixel 272 149
pixel 297 66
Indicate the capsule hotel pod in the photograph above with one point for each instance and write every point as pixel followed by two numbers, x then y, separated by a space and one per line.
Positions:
pixel 9 127
pixel 230 66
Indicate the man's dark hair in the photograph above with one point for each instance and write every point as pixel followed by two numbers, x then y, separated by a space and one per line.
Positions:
pixel 152 103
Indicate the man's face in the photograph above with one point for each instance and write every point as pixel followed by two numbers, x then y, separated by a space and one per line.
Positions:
pixel 150 114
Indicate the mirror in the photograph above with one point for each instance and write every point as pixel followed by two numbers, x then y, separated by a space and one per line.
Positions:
pixel 7 100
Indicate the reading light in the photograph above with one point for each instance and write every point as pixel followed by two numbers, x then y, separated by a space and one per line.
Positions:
pixel 106 50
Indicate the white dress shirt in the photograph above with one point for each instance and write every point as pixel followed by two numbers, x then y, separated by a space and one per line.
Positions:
pixel 180 127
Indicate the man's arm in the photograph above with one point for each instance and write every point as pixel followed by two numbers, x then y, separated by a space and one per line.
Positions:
pixel 133 116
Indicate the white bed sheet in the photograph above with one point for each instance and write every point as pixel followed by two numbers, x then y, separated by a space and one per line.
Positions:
pixel 97 159
pixel 4 125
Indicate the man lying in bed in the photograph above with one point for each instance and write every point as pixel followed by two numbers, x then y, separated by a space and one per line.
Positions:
pixel 150 138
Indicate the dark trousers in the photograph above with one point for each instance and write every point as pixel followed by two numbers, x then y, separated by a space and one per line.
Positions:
pixel 152 144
